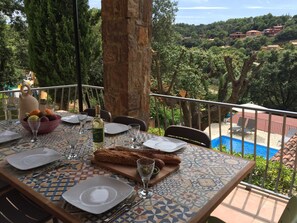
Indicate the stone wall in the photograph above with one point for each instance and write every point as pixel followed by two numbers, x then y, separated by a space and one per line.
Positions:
pixel 126 31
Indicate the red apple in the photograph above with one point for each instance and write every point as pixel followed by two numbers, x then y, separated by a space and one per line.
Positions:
pixel 44 119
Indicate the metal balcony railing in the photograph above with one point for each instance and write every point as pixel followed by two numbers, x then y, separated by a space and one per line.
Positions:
pixel 273 177
pixel 65 97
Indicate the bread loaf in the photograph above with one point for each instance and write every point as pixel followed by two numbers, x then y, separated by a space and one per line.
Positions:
pixel 170 159
pixel 123 157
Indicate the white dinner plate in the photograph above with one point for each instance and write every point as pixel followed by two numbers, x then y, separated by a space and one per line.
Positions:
pixel 73 119
pixel 165 144
pixel 7 136
pixel 115 128
pixel 33 158
pixel 97 194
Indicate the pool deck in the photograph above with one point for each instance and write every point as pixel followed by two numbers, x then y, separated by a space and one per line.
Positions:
pixel 262 137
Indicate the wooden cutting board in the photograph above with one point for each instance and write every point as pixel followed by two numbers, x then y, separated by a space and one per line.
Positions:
pixel 131 172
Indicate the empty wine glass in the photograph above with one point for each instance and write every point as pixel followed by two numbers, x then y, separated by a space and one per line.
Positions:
pixel 34 123
pixel 72 136
pixel 4 106
pixel 82 118
pixel 133 133
pixel 11 106
pixel 145 168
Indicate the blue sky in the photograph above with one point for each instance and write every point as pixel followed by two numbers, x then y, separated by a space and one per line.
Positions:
pixel 208 11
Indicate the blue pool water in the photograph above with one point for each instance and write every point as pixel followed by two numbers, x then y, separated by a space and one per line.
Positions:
pixel 248 146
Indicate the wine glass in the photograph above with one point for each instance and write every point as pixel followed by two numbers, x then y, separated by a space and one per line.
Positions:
pixel 82 118
pixel 34 123
pixel 145 168
pixel 133 133
pixel 72 136
pixel 11 106
pixel 4 106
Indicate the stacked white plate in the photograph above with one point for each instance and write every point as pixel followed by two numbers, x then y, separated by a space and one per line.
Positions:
pixel 7 136
pixel 115 128
pixel 98 194
pixel 33 158
pixel 165 144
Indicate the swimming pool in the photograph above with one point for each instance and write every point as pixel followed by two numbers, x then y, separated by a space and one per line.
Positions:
pixel 248 146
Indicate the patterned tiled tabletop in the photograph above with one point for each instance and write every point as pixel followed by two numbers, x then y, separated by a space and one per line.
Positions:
pixel 204 177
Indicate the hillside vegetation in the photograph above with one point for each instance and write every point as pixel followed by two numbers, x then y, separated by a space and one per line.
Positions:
pixel 218 32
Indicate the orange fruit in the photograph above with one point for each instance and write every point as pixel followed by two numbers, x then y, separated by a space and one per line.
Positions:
pixel 48 111
pixel 34 112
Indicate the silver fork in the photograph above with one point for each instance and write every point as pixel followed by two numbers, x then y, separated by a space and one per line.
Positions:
pixel 59 165
pixel 126 206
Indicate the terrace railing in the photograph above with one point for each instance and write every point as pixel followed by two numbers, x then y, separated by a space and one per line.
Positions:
pixel 65 97
pixel 273 177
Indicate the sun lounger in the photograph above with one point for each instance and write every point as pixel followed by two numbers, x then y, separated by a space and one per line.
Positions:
pixel 250 126
pixel 238 127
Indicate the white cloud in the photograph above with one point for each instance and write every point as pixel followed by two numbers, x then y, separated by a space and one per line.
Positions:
pixel 254 7
pixel 191 17
pixel 203 8
pixel 192 2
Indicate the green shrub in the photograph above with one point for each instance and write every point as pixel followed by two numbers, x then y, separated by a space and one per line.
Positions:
pixel 156 131
pixel 164 113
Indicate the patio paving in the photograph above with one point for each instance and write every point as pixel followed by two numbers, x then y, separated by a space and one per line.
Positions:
pixel 253 206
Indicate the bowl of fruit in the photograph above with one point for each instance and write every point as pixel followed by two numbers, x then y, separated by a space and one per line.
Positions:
pixel 48 120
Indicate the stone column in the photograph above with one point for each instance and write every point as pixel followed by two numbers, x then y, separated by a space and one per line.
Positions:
pixel 126 32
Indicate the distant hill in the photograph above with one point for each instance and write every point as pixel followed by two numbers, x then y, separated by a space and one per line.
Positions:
pixel 218 32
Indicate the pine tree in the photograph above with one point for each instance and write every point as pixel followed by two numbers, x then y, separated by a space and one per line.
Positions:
pixel 12 32
pixel 51 40
pixel 7 73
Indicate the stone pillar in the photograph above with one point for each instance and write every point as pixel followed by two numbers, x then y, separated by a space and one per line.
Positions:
pixel 126 32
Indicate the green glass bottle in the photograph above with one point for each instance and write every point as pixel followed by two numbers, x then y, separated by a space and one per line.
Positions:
pixel 98 130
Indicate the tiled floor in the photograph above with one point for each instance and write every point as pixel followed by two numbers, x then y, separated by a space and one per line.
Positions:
pixel 250 207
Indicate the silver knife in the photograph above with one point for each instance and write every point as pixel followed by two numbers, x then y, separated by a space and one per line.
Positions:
pixel 55 167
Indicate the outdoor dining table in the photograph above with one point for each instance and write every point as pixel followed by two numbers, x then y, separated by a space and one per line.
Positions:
pixel 205 177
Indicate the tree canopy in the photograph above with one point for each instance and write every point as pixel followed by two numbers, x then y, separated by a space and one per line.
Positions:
pixel 276 86
pixel 13 50
pixel 51 40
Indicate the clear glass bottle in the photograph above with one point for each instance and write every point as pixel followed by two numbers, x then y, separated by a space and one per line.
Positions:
pixel 42 105
pixel 98 130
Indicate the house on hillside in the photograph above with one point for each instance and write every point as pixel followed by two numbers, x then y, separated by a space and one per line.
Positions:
pixel 186 38
pixel 271 47
pixel 272 31
pixel 294 42
pixel 253 33
pixel 237 35
pixel 277 29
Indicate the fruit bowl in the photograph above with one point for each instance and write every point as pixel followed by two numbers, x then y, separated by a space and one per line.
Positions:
pixel 45 127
